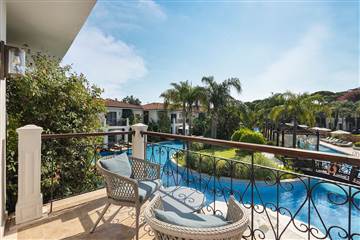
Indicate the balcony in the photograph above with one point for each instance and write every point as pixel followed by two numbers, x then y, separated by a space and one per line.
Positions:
pixel 281 203
pixel 118 122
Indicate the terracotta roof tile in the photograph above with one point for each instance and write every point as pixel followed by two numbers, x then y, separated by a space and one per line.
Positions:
pixel 119 104
pixel 153 106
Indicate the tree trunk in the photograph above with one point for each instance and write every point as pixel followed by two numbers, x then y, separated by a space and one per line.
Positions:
pixel 184 119
pixel 214 126
pixel 294 132
pixel 336 120
pixel 190 122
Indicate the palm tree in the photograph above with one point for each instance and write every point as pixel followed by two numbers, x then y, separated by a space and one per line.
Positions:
pixel 341 109
pixel 299 108
pixel 183 95
pixel 217 96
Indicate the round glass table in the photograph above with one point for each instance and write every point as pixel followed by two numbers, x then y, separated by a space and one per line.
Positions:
pixel 182 199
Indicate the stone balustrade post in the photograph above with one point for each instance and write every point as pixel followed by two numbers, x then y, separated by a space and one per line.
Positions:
pixel 139 140
pixel 30 202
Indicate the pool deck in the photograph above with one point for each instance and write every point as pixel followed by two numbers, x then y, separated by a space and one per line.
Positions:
pixel 345 150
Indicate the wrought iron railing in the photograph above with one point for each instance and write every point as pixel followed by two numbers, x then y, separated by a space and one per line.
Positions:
pixel 69 160
pixel 283 203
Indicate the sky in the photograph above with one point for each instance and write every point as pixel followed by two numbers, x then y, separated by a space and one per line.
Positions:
pixel 139 47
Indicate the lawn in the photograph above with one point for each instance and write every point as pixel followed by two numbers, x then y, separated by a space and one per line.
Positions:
pixel 206 164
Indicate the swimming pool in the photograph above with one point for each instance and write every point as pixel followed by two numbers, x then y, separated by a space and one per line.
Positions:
pixel 328 205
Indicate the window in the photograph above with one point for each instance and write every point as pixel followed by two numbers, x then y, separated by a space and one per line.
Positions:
pixel 111 118
pixel 146 117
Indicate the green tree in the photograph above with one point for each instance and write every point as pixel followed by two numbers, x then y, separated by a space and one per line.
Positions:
pixel 217 95
pixel 298 108
pixel 60 101
pixel 183 95
pixel 132 100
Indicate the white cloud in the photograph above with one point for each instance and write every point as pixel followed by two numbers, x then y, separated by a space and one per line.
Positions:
pixel 104 60
pixel 153 8
pixel 303 68
pixel 127 15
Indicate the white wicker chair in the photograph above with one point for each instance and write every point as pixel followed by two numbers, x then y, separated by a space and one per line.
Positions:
pixel 123 190
pixel 166 231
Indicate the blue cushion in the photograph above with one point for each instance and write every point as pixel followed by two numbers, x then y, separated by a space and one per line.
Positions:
pixel 190 219
pixel 147 188
pixel 118 164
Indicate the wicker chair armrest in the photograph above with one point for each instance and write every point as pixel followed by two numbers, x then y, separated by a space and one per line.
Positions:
pixel 144 170
pixel 231 231
pixel 235 211
pixel 155 203
pixel 119 188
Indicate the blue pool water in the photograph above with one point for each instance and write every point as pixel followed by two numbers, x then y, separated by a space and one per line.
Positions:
pixel 328 205
pixel 322 148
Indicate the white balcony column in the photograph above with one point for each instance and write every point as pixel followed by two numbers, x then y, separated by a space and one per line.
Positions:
pixel 29 204
pixel 139 140
pixel 126 138
pixel 127 122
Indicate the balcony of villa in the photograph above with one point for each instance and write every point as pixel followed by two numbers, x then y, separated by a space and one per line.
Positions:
pixel 280 203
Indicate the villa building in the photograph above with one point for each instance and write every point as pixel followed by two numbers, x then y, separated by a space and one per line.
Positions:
pixel 121 115
pixel 152 112
pixel 118 117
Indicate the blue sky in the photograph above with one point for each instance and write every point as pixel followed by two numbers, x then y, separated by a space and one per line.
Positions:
pixel 140 47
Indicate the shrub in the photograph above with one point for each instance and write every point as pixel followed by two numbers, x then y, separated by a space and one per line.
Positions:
pixel 195 146
pixel 252 137
pixel 238 134
pixel 270 143
pixel 357 144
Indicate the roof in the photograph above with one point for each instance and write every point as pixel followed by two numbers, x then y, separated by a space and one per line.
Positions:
pixel 153 106
pixel 49 26
pixel 119 104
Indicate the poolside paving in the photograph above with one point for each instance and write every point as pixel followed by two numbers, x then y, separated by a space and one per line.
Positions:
pixel 345 150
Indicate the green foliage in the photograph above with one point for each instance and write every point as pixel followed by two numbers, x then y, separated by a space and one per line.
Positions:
pixel 229 119
pixel 128 113
pixel 217 166
pixel 217 96
pixel 252 137
pixel 162 125
pixel 132 100
pixel 60 101
pixel 357 144
pixel 200 125
pixel 196 146
pixel 239 133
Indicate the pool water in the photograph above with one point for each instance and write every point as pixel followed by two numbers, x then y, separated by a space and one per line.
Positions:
pixel 328 205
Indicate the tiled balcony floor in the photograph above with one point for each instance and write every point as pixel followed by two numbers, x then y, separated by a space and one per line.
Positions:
pixel 72 218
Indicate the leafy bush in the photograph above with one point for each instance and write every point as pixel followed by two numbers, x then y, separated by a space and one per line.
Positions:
pixel 252 137
pixel 195 146
pixel 238 134
pixel 270 143
pixel 241 170
pixel 60 101
pixel 357 144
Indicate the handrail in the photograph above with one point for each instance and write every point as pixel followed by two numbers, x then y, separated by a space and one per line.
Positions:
pixel 79 135
pixel 291 152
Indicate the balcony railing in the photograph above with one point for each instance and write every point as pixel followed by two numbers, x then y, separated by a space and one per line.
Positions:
pixel 287 201
pixel 118 122
pixel 60 152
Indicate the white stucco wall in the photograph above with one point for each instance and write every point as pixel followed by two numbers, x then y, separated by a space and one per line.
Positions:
pixel 2 125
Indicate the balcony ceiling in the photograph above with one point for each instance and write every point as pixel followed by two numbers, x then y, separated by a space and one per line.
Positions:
pixel 49 26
